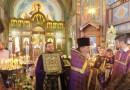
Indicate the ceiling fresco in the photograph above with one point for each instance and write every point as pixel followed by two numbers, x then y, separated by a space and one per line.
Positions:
pixel 50 8
pixel 86 16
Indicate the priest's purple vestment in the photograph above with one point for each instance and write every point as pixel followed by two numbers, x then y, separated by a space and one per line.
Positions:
pixel 121 64
pixel 40 74
pixel 80 70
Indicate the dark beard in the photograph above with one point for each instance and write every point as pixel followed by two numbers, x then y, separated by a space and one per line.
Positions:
pixel 50 52
pixel 1 48
pixel 117 48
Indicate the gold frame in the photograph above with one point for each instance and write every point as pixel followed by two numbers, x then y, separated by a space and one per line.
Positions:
pixel 52 63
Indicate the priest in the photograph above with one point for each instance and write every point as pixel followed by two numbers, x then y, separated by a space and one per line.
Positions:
pixel 80 69
pixel 49 70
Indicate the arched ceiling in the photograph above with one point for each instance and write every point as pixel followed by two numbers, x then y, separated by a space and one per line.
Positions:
pixel 52 9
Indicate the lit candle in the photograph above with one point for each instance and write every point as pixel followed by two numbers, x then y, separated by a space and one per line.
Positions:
pixel 2 62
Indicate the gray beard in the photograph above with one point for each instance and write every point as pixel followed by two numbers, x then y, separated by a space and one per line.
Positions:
pixel 86 55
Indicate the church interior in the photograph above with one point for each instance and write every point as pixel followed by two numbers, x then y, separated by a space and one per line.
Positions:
pixel 29 24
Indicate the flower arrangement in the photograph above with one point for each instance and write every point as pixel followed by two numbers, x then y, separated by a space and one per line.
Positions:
pixel 28 84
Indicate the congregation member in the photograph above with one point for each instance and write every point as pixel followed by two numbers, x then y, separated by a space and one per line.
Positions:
pixel 98 68
pixel 109 64
pixel 98 47
pixel 105 69
pixel 4 54
pixel 109 57
pixel 49 69
pixel 100 58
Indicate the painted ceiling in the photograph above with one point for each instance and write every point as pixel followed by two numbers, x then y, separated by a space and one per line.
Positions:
pixel 50 8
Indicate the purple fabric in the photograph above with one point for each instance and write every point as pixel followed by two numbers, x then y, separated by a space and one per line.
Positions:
pixel 40 74
pixel 78 81
pixel 120 68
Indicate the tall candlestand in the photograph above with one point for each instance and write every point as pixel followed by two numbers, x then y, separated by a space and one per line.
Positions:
pixel 32 52
pixel 10 46
pixel 27 54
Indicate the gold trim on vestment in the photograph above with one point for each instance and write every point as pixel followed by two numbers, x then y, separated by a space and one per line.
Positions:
pixel 124 63
pixel 90 77
pixel 80 70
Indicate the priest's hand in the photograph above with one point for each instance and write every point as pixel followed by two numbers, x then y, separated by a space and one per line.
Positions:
pixel 102 69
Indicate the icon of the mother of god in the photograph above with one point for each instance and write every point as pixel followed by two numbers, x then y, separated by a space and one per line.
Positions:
pixel 35 8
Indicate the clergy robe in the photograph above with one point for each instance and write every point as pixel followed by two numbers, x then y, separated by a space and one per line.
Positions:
pixel 121 64
pixel 80 70
pixel 40 74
